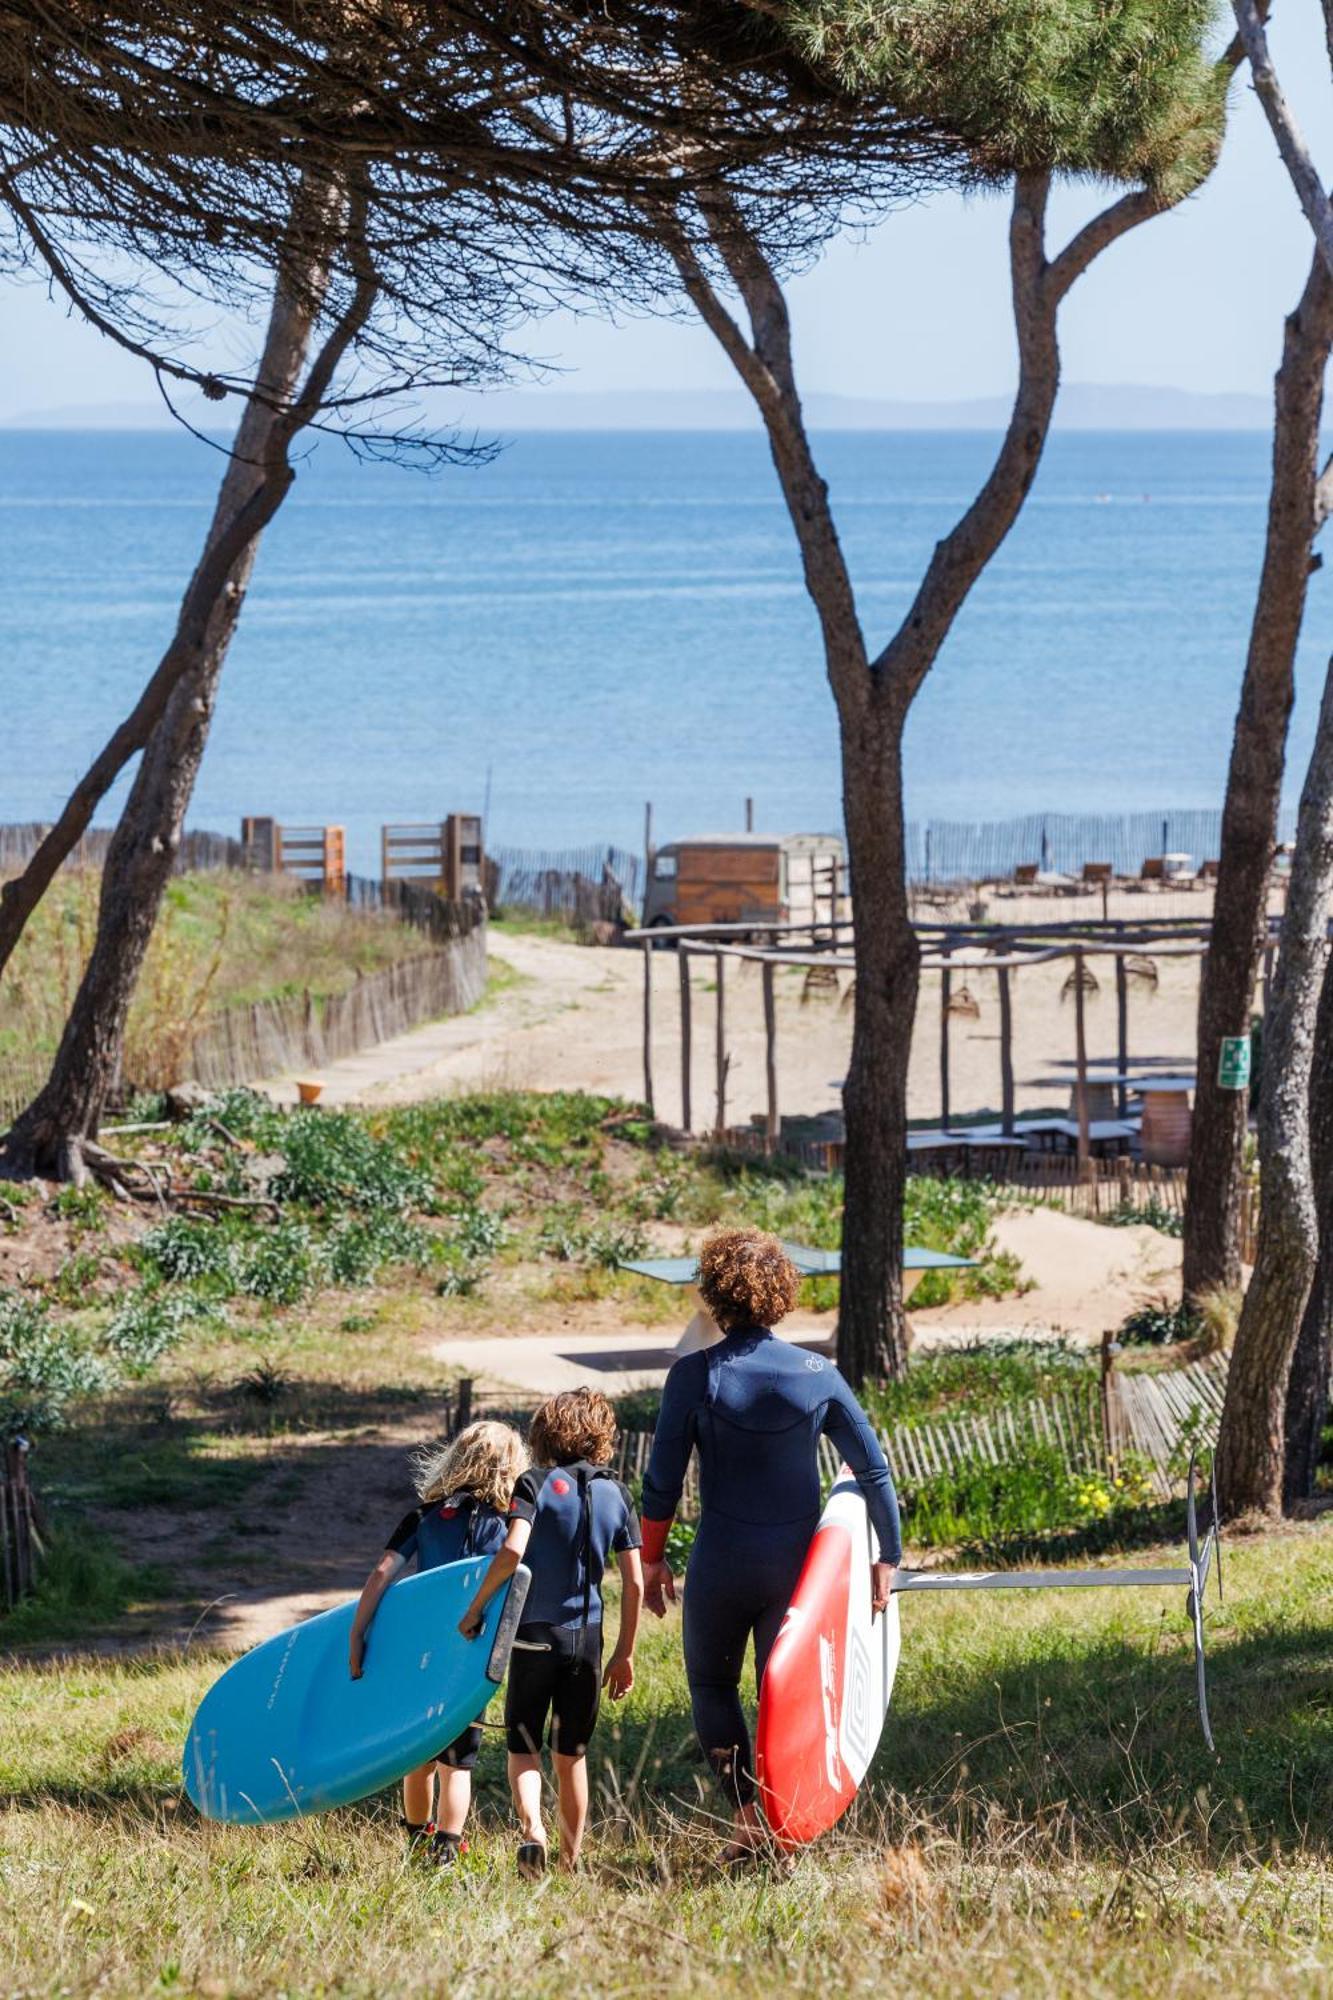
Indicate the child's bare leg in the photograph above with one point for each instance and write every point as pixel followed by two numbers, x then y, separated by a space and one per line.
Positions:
pixel 455 1798
pixel 525 1782
pixel 419 1795
pixel 571 1776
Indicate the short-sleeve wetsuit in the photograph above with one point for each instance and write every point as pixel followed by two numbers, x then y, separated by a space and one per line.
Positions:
pixel 581 1516
pixel 754 1407
pixel 445 1531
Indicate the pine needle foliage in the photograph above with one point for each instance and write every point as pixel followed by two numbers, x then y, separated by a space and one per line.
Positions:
pixel 1119 90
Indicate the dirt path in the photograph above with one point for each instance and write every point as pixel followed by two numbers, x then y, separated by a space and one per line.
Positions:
pixel 573 1020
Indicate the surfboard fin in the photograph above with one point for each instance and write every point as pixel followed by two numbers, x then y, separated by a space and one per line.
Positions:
pixel 511 1612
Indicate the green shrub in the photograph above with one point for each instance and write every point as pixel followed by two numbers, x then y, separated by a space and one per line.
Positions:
pixel 984 1375
pixel 332 1159
pixel 282 1264
pixel 145 1326
pixel 1152 1212
pixel 43 1368
pixel 356 1251
pixel 184 1249
pixel 1161 1323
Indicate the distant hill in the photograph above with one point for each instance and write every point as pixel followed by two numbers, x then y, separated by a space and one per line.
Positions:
pixel 1083 406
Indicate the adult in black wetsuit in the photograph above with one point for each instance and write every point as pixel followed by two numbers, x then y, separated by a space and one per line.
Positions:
pixel 753 1407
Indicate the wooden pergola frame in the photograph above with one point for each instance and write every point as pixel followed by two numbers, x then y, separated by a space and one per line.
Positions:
pixel 1002 949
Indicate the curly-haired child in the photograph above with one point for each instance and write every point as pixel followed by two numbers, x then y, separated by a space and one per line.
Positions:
pixel 568 1514
pixel 465 1489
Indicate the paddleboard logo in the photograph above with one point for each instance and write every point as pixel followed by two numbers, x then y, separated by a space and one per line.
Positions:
pixel 859 1729
pixel 828 1695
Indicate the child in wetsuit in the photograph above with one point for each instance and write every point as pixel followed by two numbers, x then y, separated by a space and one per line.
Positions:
pixel 465 1489
pixel 568 1514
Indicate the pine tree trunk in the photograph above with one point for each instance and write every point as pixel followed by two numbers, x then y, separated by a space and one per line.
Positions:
pixel 56 1132
pixel 1252 1442
pixel 872 1326
pixel 1312 1363
pixel 1253 794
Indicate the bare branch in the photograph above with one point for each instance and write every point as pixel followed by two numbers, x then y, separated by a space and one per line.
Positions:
pixel 1285 127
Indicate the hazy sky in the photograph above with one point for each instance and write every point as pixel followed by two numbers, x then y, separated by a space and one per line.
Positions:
pixel 918 309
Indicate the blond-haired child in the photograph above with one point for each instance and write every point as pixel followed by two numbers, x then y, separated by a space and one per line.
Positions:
pixel 569 1515
pixel 465 1488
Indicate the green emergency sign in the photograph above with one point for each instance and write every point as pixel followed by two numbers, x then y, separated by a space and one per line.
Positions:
pixel 1233 1063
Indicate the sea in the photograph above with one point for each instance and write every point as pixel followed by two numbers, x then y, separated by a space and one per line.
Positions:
pixel 595 621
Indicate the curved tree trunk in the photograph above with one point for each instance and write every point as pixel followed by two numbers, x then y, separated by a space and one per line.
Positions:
pixel 55 1134
pixel 874 695
pixel 1253 794
pixel 1312 1363
pixel 1252 1440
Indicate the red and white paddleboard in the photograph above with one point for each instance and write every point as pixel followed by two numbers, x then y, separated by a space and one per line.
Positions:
pixel 829 1679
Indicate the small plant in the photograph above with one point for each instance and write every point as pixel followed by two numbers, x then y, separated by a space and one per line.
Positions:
pixel 356 1251
pixel 1219 1316
pixel 1161 1322
pixel 332 1159
pixel 85 1207
pixel 43 1368
pixel 1153 1213
pixel 183 1249
pixel 266 1383
pixel 76 1278
pixel 282 1265
pixel 145 1327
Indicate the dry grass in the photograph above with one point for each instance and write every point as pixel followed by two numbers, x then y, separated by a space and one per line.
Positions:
pixel 222 939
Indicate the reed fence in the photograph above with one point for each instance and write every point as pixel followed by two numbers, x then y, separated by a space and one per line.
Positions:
pixel 274 1037
pixel 198 850
pixel 1094 1426
pixel 20 1537
pixel 944 851
pixel 582 886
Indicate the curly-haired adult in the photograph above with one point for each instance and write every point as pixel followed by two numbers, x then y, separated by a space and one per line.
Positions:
pixel 753 1407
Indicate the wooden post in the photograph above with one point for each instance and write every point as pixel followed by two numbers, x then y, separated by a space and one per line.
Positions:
pixel 773 1124
pixel 749 815
pixel 683 962
pixel 1106 898
pixel 720 1044
pixel 1081 1057
pixel 465 1402
pixel 1006 1053
pixel 1121 1033
pixel 647 847
pixel 946 985
pixel 648 1026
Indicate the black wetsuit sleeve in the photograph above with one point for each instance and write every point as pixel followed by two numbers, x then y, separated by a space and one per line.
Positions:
pixel 403 1540
pixel 848 1427
pixel 628 1534
pixel 527 1491
pixel 673 1439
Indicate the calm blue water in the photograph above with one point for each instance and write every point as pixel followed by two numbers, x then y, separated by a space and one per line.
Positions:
pixel 597 620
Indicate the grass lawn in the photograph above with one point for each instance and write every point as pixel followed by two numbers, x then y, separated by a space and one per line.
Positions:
pixel 1043 1818
pixel 222 1410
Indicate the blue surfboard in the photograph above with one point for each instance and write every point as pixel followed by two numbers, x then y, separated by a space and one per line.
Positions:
pixel 287 1731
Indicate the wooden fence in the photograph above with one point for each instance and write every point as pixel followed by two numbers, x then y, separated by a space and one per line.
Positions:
pixel 274 1037
pixel 1093 1426
pixel 20 1539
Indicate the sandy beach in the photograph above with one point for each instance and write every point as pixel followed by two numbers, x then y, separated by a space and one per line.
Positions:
pixel 572 1019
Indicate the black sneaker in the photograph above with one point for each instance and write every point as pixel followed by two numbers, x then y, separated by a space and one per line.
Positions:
pixel 419 1839
pixel 446 1848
